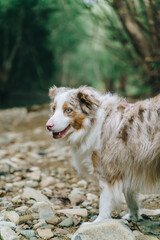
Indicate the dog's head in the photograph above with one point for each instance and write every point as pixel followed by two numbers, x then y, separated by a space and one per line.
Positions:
pixel 73 110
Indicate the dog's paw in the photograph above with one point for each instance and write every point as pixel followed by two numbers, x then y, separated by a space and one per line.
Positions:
pixel 128 217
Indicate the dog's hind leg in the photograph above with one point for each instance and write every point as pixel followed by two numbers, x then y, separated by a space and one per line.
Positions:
pixel 133 205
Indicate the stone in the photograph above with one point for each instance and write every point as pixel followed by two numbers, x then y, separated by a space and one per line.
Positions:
pixel 82 183
pixel 6 233
pixel 7 224
pixel 28 233
pixel 60 185
pixel 21 210
pixel 92 197
pixel 74 211
pixel 34 194
pixel 150 212
pixel 53 221
pixel 44 210
pixel 16 199
pixel 45 233
pixel 67 222
pixel 76 199
pixel 32 184
pixel 145 237
pixel 61 231
pixel 108 229
pixel 77 191
pixel 47 181
pixel 12 216
pixel 41 223
pixel 35 176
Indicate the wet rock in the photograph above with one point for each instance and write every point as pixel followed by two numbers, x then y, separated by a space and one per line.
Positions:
pixel 47 181
pixel 7 233
pixel 34 194
pixel 74 211
pixel 113 229
pixel 43 209
pixel 28 233
pixel 67 222
pixel 45 233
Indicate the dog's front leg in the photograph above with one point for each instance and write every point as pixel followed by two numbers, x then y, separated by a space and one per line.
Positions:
pixel 105 203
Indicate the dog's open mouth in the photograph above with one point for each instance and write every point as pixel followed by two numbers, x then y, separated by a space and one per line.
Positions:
pixel 57 135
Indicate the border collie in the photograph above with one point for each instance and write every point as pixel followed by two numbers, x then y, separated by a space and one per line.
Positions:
pixel 115 141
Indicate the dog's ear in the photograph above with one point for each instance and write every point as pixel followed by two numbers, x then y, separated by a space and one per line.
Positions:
pixel 88 100
pixel 52 92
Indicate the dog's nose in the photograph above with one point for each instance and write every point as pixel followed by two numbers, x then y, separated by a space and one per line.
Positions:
pixel 49 126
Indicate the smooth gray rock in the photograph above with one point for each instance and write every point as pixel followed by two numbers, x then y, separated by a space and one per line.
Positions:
pixel 106 230
pixel 6 233
pixel 28 233
pixel 31 193
pixel 67 222
pixel 43 209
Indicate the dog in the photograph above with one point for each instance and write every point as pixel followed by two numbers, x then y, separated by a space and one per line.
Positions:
pixel 111 139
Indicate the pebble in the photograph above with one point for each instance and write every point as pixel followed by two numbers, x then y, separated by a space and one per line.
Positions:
pixel 32 193
pixel 7 224
pixel 79 212
pixel 21 210
pixel 28 233
pixel 8 234
pixel 61 231
pixel 47 181
pixel 35 176
pixel 44 210
pixel 60 185
pixel 41 223
pixel 12 216
pixel 76 199
pixel 82 183
pixel 67 222
pixel 45 233
pixel 92 197
pixel 53 221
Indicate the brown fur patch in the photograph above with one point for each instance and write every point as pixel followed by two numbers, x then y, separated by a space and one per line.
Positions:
pixel 124 133
pixel 88 102
pixel 76 118
pixel 77 121
pixel 140 113
pixel 95 159
pixel 131 120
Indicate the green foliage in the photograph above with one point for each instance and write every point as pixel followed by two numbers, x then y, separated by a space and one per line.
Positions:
pixel 78 42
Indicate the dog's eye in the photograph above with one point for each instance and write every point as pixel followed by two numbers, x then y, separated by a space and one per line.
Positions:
pixel 68 110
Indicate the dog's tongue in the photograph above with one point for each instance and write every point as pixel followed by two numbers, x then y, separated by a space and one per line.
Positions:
pixel 57 135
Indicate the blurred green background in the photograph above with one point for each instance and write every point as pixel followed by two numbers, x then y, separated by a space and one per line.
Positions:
pixel 112 45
